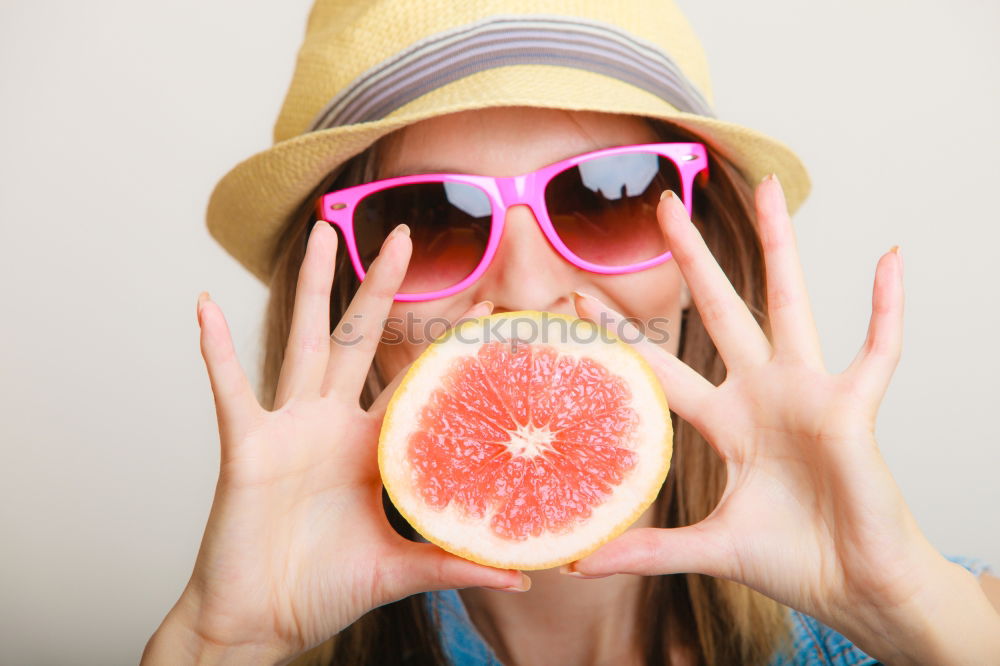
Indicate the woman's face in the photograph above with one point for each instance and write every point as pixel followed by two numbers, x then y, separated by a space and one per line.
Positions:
pixel 526 273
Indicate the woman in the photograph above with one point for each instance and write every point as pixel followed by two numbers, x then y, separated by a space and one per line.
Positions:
pixel 777 498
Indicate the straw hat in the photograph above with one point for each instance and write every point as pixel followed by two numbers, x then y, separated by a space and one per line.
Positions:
pixel 369 67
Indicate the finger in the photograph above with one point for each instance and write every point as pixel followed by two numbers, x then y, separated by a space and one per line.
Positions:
pixel 420 567
pixel 353 345
pixel 788 309
pixel 736 334
pixel 235 402
pixel 687 392
pixel 652 551
pixel 309 337
pixel 378 406
pixel 873 366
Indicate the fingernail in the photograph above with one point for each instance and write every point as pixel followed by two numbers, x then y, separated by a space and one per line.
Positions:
pixel 202 297
pixel 523 586
pixel 899 253
pixel 580 294
pixel 477 308
pixel 400 229
pixel 568 570
pixel 770 176
pixel 667 193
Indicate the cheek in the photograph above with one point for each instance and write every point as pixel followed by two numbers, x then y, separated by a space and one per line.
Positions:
pixel 398 345
pixel 392 357
pixel 653 296
pixel 409 328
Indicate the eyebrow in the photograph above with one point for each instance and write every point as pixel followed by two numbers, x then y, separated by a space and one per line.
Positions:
pixel 421 170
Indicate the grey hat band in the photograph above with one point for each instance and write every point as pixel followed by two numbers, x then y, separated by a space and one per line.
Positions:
pixel 500 41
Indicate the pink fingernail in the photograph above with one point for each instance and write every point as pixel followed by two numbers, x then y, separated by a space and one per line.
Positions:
pixel 202 298
pixel 400 229
pixel 508 589
pixel 567 570
pixel 523 586
pixel 479 307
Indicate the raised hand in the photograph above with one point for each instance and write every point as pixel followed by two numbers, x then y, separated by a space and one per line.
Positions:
pixel 297 544
pixel 810 515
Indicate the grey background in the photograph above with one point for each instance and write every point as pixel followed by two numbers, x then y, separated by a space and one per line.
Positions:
pixel 117 118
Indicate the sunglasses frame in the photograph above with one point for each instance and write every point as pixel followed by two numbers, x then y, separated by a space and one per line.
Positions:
pixel 338 207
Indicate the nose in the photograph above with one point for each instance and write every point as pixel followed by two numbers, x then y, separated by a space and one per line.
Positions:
pixel 526 272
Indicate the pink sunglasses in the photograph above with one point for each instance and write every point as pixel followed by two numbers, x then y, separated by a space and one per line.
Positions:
pixel 597 210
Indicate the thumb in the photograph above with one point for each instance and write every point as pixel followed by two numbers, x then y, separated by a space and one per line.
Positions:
pixel 421 567
pixel 651 551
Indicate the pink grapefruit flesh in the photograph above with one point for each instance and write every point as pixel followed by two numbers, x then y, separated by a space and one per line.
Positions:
pixel 525 451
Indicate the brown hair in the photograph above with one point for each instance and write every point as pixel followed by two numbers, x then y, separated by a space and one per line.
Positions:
pixel 718 621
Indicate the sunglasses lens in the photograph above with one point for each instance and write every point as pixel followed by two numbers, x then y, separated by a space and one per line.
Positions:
pixel 604 209
pixel 449 226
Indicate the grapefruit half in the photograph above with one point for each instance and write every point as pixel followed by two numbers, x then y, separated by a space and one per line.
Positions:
pixel 525 440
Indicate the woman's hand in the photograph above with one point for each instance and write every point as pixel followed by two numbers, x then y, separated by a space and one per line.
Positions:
pixel 810 515
pixel 297 544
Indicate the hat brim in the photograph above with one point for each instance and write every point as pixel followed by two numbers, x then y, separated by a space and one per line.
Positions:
pixel 253 202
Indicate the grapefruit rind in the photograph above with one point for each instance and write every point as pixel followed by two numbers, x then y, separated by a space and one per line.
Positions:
pixel 471 538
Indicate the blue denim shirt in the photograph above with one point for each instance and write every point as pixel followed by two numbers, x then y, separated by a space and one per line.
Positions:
pixel 813 644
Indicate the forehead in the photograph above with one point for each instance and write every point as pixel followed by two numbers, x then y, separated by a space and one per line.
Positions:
pixel 505 141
